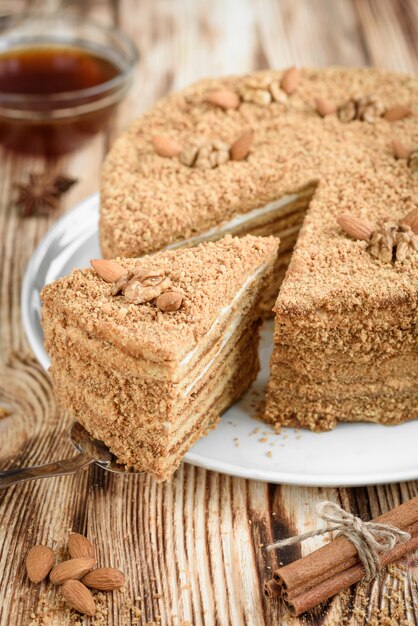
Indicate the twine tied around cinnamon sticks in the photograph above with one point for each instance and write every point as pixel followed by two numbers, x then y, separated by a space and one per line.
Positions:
pixel 308 581
pixel 369 538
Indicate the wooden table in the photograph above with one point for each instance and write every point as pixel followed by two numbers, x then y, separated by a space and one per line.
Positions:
pixel 193 548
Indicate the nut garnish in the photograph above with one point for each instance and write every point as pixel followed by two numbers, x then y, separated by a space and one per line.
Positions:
pixel 71 570
pixel 400 151
pixel 278 94
pixel 364 109
pixel 413 161
pixel 169 301
pixel 411 220
pixel 138 293
pixel 110 271
pixel 166 147
pixel 290 80
pixel 369 108
pixel 147 279
pixel 39 562
pixel 205 154
pixel 241 147
pixel 104 579
pixel 79 546
pixel 119 285
pixel 397 112
pixel 150 278
pixel 325 107
pixel 347 112
pixel 390 241
pixel 223 98
pixel 354 226
pixel 262 90
pixel 144 286
pixel 79 597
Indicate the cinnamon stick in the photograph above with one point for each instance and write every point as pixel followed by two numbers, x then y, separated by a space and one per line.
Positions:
pixel 330 587
pixel 271 589
pixel 339 554
pixel 312 579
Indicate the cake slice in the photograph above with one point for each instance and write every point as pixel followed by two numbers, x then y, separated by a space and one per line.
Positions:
pixel 147 353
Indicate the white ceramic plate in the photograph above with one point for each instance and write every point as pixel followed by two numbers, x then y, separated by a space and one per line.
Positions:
pixel 352 454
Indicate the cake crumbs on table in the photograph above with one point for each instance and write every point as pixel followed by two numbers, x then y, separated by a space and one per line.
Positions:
pixel 394 607
pixel 131 614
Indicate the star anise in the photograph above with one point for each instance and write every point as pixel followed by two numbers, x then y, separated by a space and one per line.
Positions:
pixel 41 195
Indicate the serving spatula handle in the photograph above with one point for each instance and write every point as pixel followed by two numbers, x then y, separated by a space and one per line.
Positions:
pixel 56 468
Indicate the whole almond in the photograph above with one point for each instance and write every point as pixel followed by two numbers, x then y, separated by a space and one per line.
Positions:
pixel 71 570
pixel 223 98
pixel 325 107
pixel 411 220
pixel 104 579
pixel 39 562
pixel 78 597
pixel 110 271
pixel 397 112
pixel 166 147
pixel 400 151
pixel 355 226
pixel 169 301
pixel 79 546
pixel 241 147
pixel 290 80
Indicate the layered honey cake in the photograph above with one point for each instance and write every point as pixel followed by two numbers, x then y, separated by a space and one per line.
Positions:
pixel 147 353
pixel 333 149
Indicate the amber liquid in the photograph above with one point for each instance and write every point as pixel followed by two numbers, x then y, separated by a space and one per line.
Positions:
pixel 50 71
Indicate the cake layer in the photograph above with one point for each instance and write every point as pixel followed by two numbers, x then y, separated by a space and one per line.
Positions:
pixel 116 412
pixel 160 401
pixel 356 366
pixel 320 408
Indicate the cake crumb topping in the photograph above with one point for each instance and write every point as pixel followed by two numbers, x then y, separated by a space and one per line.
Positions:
pixel 203 280
pixel 149 202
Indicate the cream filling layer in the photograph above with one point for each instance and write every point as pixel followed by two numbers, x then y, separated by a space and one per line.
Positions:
pixel 233 326
pixel 235 222
pixel 223 313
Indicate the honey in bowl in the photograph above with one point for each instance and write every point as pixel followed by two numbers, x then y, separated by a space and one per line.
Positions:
pixel 50 70
pixel 54 92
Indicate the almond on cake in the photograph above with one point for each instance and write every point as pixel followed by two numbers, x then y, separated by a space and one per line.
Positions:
pixel 147 353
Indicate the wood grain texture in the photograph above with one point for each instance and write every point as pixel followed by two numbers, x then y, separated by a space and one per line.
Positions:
pixel 192 549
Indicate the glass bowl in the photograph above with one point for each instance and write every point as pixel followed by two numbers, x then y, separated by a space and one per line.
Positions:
pixel 59 121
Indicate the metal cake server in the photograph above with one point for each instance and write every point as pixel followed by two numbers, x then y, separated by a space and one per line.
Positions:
pixel 89 451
